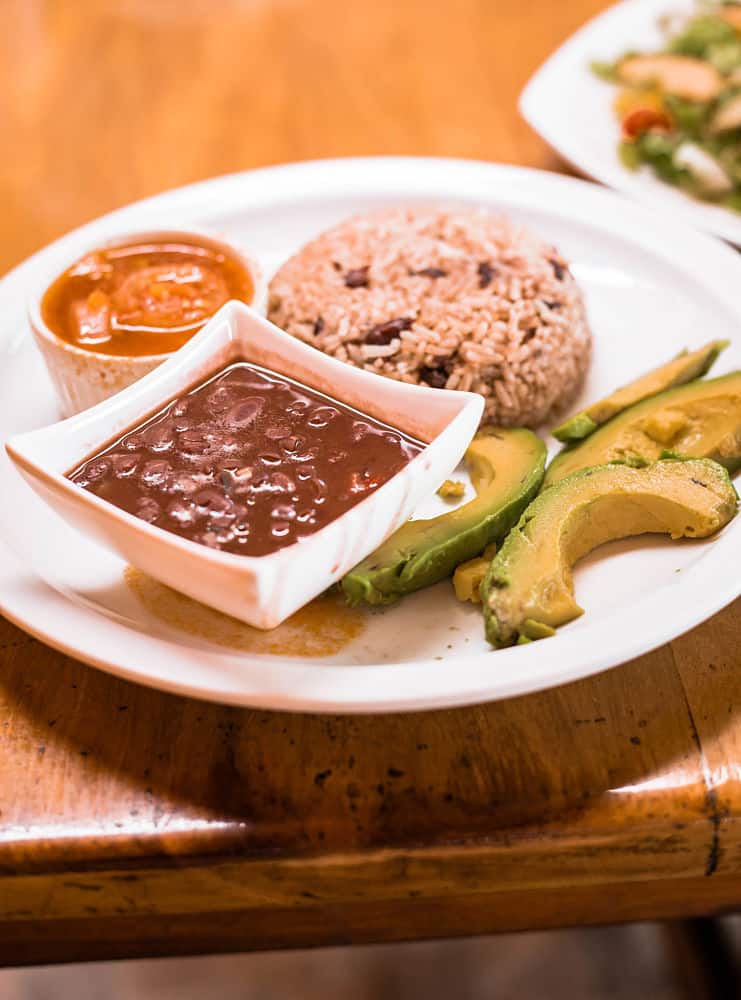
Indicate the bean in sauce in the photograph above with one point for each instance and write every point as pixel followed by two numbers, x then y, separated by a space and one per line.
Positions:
pixel 248 462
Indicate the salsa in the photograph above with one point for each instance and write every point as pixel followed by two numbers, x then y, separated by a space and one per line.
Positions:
pixel 143 298
pixel 248 462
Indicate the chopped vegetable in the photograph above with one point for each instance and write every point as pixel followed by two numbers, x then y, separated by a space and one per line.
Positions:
pixel 629 155
pixel 658 150
pixel 701 34
pixel 605 70
pixel 728 116
pixel 689 117
pixel 706 170
pixel 680 107
pixel 632 99
pixel 452 490
pixel 645 120
pixel 469 576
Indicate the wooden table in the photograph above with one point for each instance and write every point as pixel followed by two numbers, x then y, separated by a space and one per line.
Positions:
pixel 137 823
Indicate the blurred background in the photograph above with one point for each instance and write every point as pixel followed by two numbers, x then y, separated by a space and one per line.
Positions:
pixel 106 101
pixel 619 963
pixel 113 100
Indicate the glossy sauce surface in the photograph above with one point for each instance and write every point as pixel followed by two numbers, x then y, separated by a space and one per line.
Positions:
pixel 248 462
pixel 143 298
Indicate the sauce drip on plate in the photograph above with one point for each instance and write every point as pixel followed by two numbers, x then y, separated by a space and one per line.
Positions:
pixel 324 627
pixel 143 298
pixel 248 462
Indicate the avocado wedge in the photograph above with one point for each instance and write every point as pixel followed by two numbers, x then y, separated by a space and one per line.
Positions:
pixel 528 591
pixel 684 368
pixel 699 420
pixel 506 469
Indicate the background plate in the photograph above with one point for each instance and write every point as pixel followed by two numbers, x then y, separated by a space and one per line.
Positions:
pixel 652 287
pixel 571 109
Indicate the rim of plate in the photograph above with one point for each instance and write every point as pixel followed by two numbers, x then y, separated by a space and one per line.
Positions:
pixel 102 640
pixel 536 102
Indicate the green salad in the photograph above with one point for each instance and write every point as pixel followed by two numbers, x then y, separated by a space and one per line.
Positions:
pixel 680 106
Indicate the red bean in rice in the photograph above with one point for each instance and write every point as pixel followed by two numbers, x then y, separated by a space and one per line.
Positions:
pixel 452 297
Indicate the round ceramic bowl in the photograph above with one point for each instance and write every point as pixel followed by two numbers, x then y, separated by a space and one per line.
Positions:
pixel 82 377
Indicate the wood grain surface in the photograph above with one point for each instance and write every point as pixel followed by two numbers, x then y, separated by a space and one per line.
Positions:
pixel 136 823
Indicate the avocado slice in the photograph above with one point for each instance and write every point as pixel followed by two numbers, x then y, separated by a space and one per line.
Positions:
pixel 529 591
pixel 506 469
pixel 699 420
pixel 684 368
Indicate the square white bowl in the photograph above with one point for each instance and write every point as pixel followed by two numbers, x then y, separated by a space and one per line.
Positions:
pixel 264 590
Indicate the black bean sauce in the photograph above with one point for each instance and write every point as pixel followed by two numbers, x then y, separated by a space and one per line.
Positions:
pixel 248 462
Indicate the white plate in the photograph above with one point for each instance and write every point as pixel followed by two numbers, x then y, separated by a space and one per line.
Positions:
pixel 652 287
pixel 571 109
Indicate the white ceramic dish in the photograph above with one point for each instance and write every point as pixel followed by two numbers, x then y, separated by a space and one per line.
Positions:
pixel 571 109
pixel 260 591
pixel 83 378
pixel 652 287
